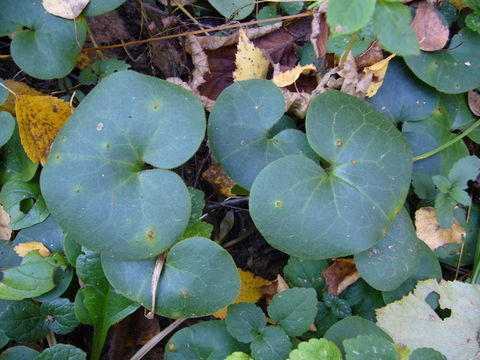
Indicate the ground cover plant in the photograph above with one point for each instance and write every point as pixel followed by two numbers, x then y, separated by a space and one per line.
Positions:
pixel 264 180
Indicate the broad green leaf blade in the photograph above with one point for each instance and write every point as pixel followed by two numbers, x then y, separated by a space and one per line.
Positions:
pixel 236 9
pixel 198 278
pixel 23 322
pixel 453 71
pixel 426 354
pixel 99 7
pixel 237 355
pixel 309 212
pixel 316 349
pixel 72 250
pixel 339 307
pixel 46 46
pixel 444 206
pixel 402 96
pixel 458 113
pixel 465 169
pixel 7 127
pixel 369 346
pixel 99 182
pixel 60 316
pixel 442 183
pixel 3 92
pixel 305 273
pixel 363 299
pixel 391 23
pixel 14 193
pixel 412 322
pixel 458 194
pixel 245 321
pixel 19 352
pixel 63 352
pixel 294 310
pixel 351 327
pixel 240 130
pixel 33 277
pixel 207 340
pixel 272 344
pixel 348 16
pixel 393 259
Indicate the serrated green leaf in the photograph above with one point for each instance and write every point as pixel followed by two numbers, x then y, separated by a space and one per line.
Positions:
pixel 391 23
pixel 442 183
pixel 19 352
pixel 23 322
pixel 449 12
pixel 238 356
pixel 369 346
pixel 7 127
pixel 237 9
pixel 316 349
pixel 271 344
pixel 348 16
pixel 339 307
pixel 458 194
pixel 62 352
pixel 99 7
pixel 207 340
pixel 305 273
pixel 294 310
pixel 363 299
pixel 423 185
pixel 245 321
pixel 292 8
pixel 60 316
pixel 412 321
pixel 465 169
pixel 473 22
pixel 444 206
pixel 426 354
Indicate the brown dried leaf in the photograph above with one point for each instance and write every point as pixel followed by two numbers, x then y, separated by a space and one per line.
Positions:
pixel 320 33
pixel 430 232
pixel 281 284
pixel 207 103
pixel 285 78
pixel 350 76
pixel 199 60
pixel 24 248
pixel 219 180
pixel 108 28
pixel 296 103
pixel 169 57
pixel 279 47
pixel 18 88
pixel 474 101
pixel 5 231
pixel 340 275
pixel 67 9
pixel 429 29
pixel 371 56
pixel 378 71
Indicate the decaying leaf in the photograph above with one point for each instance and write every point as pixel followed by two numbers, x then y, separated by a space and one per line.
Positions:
pixel 39 120
pixel 350 76
pixel 250 291
pixel 219 179
pixel 432 34
pixel 340 275
pixel 250 61
pixel 378 70
pixel 5 231
pixel 17 88
pixel 474 101
pixel 279 47
pixel 67 9
pixel 288 77
pixel 412 322
pixel 296 103
pixel 430 232
pixel 371 56
pixel 24 248
pixel 320 33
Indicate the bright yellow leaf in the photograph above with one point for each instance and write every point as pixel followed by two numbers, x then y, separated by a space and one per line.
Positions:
pixel 24 248
pixel 39 120
pixel 459 4
pixel 67 9
pixel 288 77
pixel 17 88
pixel 250 291
pixel 250 61
pixel 378 70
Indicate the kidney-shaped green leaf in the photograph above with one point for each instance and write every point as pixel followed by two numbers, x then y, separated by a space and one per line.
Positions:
pixel 346 206
pixel 348 16
pixel 99 7
pixel 454 70
pixel 241 130
pixel 198 278
pixel 47 46
pixel 7 127
pixel 106 180
pixel 238 9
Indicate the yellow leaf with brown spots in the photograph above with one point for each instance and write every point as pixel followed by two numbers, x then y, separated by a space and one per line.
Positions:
pixel 340 275
pixel 67 9
pixel 219 180
pixel 430 232
pixel 378 70
pixel 249 60
pixel 39 120
pixel 17 88
pixel 288 77
pixel 250 291
pixel 24 248
pixel 5 231
pixel 459 4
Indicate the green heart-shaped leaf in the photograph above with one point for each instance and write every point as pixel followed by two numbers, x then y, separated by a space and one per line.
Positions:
pixel 198 278
pixel 452 71
pixel 238 9
pixel 369 346
pixel 242 130
pixel 271 344
pixel 348 16
pixel 46 46
pixel 245 321
pixel 311 212
pixel 99 183
pixel 99 7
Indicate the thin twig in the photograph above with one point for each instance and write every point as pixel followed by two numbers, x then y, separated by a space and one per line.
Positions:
pixel 157 271
pixel 51 340
pixel 228 202
pixel 238 239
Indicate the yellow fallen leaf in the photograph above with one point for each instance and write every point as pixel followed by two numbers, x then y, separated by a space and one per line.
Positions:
pixel 249 291
pixel 17 88
pixel 24 248
pixel 430 232
pixel 378 70
pixel 39 120
pixel 249 60
pixel 5 231
pixel 217 177
pixel 288 77
pixel 459 4
pixel 67 9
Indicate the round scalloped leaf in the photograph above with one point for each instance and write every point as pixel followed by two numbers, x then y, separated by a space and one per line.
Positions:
pixel 7 127
pixel 206 340
pixel 369 347
pixel 271 344
pixel 393 259
pixel 311 212
pixel 244 321
pixel 452 71
pixel 403 97
pixel 99 7
pixel 106 180
pixel 305 273
pixel 316 349
pixel 46 46
pixel 198 278
pixel 242 130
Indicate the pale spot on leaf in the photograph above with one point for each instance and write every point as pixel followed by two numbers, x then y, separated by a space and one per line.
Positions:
pixel 24 248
